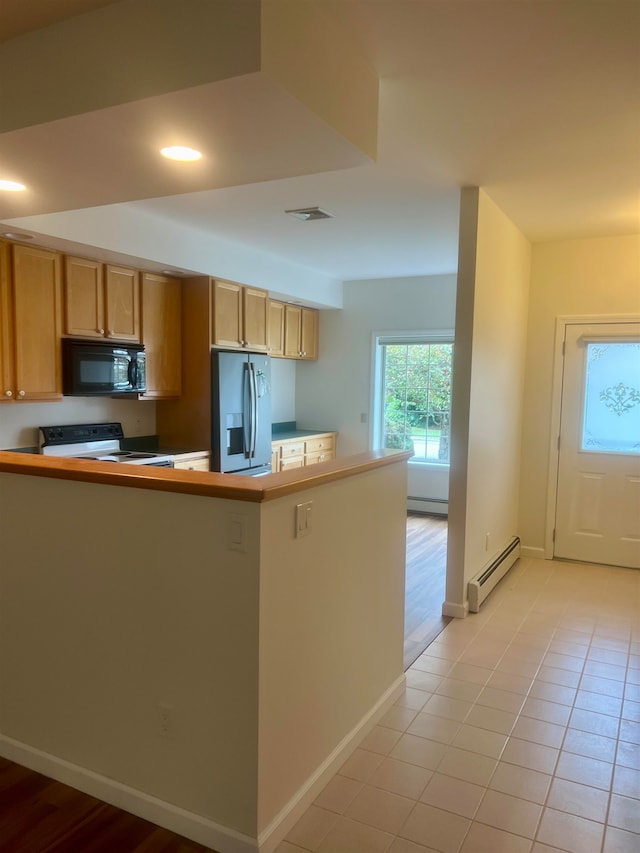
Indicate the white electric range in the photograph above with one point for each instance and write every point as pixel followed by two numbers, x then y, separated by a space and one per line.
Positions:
pixel 96 441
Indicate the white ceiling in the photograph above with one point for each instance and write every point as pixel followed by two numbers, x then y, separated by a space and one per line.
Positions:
pixel 538 102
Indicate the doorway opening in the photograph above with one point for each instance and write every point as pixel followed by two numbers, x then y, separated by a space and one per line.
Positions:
pixel 425 580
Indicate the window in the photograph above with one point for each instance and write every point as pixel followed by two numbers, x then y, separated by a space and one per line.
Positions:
pixel 611 414
pixel 414 396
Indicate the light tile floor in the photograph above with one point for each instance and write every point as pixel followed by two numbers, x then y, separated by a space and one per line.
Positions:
pixel 518 731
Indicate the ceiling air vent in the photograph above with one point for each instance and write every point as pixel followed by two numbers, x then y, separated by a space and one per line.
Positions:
pixel 308 213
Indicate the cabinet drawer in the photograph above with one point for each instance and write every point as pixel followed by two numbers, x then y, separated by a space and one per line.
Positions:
pixel 320 456
pixel 291 448
pixel 293 462
pixel 325 443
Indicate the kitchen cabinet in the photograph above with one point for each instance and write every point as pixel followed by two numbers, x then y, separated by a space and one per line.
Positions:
pixel 101 300
pixel 238 316
pixel 299 452
pixel 30 323
pixel 198 460
pixel 162 335
pixel 186 422
pixel 275 328
pixel 301 332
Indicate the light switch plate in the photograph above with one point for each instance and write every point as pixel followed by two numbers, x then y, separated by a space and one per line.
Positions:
pixel 237 533
pixel 303 519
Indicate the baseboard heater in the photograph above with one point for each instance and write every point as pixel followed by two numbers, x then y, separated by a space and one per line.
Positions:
pixel 479 587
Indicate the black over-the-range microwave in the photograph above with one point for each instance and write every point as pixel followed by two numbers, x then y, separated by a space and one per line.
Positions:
pixel 96 368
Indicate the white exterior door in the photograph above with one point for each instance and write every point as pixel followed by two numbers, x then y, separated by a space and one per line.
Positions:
pixel 598 491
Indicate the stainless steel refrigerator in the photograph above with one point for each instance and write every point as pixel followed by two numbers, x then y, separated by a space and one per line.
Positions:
pixel 241 412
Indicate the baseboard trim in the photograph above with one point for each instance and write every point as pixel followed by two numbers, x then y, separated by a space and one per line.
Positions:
pixel 306 794
pixel 171 817
pixel 458 611
pixel 428 506
pixel 530 551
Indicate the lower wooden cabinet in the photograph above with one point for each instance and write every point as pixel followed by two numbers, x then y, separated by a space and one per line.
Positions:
pixel 198 460
pixel 297 453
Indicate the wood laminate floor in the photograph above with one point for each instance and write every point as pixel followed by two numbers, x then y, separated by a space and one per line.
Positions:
pixel 425 583
pixel 39 815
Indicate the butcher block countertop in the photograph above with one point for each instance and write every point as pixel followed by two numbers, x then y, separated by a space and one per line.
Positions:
pixel 203 483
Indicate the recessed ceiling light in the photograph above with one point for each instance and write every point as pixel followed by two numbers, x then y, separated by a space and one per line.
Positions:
pixel 11 186
pixel 180 152
pixel 306 214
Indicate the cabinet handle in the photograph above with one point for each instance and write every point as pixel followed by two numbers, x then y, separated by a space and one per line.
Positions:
pixel 21 393
pixel 112 334
pixel 8 393
pixel 100 331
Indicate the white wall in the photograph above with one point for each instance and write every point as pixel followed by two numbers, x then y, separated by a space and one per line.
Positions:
pixel 274 662
pixel 283 390
pixel 335 392
pixel 19 422
pixel 115 620
pixel 488 390
pixel 331 623
pixel 596 277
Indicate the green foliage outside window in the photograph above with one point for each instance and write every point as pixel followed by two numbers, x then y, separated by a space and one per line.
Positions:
pixel 417 399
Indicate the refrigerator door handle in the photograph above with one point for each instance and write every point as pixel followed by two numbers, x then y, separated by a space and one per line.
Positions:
pixel 247 409
pixel 254 411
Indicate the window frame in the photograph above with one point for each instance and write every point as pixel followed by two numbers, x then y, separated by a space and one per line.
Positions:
pixel 381 339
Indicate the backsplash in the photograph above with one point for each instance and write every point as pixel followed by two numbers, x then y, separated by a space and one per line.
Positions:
pixel 19 422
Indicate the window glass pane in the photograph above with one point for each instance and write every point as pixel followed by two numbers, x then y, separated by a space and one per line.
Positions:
pixel 612 398
pixel 417 399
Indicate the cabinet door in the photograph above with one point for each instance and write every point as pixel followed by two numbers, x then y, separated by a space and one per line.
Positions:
pixel 37 301
pixel 83 298
pixel 122 288
pixel 7 388
pixel 292 330
pixel 309 334
pixel 226 314
pixel 275 331
pixel 254 306
pixel 161 335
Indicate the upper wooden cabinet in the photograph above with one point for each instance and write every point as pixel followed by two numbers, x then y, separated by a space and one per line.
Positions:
pixel 309 334
pixel 30 323
pixel 300 332
pixel 275 328
pixel 162 335
pixel 101 300
pixel 238 316
pixel 7 373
